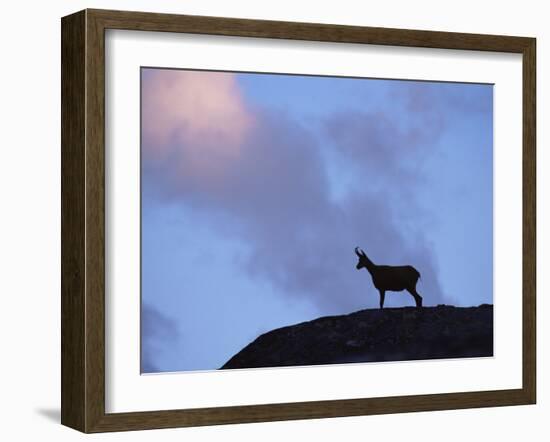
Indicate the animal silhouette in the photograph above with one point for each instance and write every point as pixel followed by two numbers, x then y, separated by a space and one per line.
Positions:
pixel 390 278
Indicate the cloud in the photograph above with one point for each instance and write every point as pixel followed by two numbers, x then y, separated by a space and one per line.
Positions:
pixel 273 191
pixel 157 330
pixel 201 110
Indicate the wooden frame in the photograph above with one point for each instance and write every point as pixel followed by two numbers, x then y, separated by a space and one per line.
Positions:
pixel 83 216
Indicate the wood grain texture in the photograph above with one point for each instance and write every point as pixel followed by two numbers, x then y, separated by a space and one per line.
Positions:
pixel 95 222
pixel 73 128
pixel 83 220
pixel 145 21
pixel 529 220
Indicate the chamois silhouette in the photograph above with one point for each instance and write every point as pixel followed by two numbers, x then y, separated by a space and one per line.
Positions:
pixel 390 278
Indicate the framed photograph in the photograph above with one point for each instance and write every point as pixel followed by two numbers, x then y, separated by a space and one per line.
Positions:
pixel 268 220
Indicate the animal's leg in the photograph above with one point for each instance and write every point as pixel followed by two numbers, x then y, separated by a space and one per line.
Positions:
pixel 416 296
pixel 382 296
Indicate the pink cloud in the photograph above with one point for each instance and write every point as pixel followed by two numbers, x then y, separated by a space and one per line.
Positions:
pixel 201 114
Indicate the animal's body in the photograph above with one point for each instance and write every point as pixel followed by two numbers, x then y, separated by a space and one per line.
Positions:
pixel 390 278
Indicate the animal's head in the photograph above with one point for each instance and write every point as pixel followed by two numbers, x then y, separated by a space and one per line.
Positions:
pixel 362 258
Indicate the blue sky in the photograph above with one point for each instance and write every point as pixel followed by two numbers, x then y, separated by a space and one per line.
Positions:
pixel 256 188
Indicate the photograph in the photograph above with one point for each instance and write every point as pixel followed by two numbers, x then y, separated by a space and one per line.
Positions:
pixel 301 216
pixel 294 220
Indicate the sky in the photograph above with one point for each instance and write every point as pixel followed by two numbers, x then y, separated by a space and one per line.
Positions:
pixel 256 188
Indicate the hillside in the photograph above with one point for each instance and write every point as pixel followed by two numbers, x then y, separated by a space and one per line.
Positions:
pixel 373 335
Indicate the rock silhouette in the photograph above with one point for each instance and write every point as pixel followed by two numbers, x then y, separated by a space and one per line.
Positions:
pixel 374 335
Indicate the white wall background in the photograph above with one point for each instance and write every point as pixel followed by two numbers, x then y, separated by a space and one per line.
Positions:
pixel 30 221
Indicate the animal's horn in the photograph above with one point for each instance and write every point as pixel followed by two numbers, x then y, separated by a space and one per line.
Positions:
pixel 359 252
